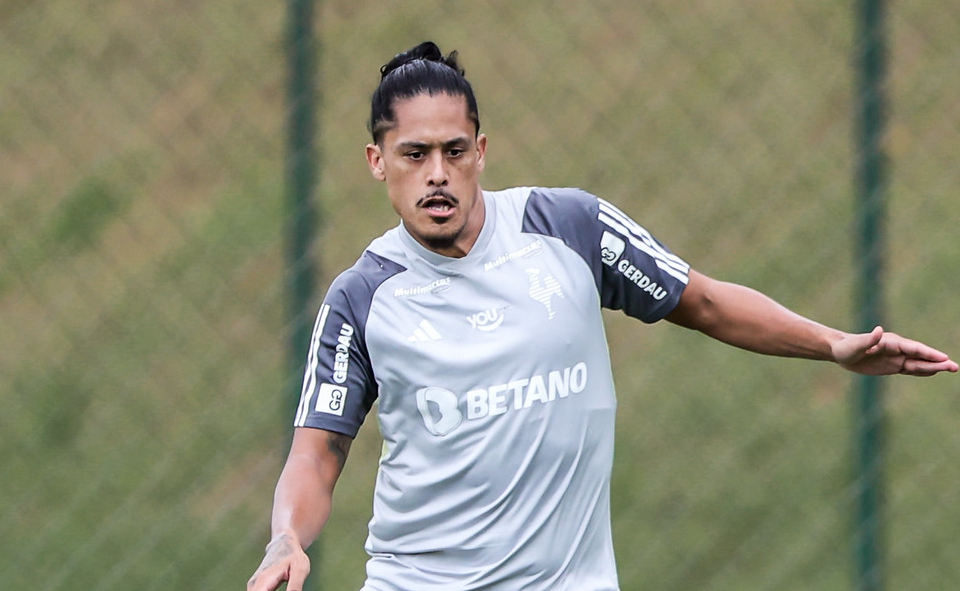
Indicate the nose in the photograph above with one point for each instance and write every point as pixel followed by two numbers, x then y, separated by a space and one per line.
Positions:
pixel 437 171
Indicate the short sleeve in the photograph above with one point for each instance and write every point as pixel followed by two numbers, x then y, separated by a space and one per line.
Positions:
pixel 634 272
pixel 339 387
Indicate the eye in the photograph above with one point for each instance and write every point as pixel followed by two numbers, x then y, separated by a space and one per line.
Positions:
pixel 455 152
pixel 415 155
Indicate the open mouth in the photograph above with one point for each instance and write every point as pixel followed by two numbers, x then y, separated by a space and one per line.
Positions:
pixel 439 203
pixel 438 206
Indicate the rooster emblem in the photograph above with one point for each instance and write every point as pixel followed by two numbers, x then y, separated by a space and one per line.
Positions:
pixel 543 289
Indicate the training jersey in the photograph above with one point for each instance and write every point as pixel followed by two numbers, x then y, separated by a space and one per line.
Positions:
pixel 495 397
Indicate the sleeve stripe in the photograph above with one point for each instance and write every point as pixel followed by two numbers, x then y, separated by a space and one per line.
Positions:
pixel 310 373
pixel 669 264
pixel 627 226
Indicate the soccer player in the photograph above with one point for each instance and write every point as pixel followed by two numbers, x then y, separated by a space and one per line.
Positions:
pixel 476 325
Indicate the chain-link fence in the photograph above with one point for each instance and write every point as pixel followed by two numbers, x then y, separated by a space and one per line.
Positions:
pixel 143 414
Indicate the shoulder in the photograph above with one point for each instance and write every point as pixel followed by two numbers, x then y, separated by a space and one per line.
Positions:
pixel 565 213
pixel 379 262
pixel 554 206
pixel 546 210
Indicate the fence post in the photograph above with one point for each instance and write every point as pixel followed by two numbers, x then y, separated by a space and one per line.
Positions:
pixel 870 182
pixel 303 218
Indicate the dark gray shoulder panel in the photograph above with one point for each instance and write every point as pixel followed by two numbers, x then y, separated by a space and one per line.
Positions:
pixel 633 272
pixel 570 215
pixel 358 283
pixel 339 387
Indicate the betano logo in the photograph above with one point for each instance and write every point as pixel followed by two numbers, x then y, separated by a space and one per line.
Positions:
pixel 442 412
pixel 447 418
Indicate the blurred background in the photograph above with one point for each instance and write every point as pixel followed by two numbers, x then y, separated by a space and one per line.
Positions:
pixel 147 384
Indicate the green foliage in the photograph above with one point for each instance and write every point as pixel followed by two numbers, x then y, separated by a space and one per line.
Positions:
pixel 83 214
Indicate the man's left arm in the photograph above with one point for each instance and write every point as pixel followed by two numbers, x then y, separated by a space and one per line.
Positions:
pixel 748 319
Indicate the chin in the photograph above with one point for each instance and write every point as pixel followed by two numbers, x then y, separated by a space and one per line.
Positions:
pixel 440 242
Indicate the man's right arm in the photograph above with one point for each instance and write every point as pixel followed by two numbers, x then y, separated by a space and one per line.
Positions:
pixel 301 506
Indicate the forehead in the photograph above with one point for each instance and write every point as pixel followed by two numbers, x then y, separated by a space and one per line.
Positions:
pixel 437 117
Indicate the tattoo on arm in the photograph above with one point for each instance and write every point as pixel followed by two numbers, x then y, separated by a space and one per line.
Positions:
pixel 276 550
pixel 339 446
pixel 280 547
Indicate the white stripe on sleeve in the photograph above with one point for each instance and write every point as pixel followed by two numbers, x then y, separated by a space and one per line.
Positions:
pixel 636 230
pixel 310 373
pixel 677 270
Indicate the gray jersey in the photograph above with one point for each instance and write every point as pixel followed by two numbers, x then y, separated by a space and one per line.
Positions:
pixel 495 395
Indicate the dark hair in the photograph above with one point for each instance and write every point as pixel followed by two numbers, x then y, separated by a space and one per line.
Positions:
pixel 421 70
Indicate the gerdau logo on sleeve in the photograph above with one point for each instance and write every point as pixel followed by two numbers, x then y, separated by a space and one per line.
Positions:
pixel 341 359
pixel 330 399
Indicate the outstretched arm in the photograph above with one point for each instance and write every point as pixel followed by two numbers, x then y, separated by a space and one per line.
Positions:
pixel 746 318
pixel 301 506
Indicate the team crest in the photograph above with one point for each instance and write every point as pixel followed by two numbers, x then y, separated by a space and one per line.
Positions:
pixel 543 287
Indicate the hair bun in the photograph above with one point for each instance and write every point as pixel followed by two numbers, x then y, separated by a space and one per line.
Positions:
pixel 426 51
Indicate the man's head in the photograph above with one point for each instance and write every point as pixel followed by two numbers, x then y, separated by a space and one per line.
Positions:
pixel 421 70
pixel 428 150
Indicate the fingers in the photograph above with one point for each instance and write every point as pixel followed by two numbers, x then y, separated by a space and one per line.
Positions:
pixel 920 368
pixel 298 576
pixel 884 353
pixel 263 581
pixel 868 343
pixel 284 561
pixel 918 359
pixel 874 340
pixel 854 348
pixel 270 578
pixel 916 350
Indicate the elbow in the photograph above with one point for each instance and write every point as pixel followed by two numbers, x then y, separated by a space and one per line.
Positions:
pixel 698 308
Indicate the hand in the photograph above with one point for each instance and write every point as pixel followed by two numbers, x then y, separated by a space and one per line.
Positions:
pixel 284 560
pixel 885 353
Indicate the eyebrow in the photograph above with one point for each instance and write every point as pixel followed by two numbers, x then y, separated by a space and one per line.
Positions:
pixel 459 141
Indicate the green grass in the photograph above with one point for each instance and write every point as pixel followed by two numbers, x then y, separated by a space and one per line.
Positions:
pixel 141 309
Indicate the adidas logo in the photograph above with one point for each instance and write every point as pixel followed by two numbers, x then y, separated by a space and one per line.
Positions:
pixel 424 332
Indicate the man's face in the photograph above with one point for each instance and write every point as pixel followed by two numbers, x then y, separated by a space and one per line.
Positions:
pixel 431 162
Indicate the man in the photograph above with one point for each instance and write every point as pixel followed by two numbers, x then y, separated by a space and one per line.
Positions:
pixel 476 325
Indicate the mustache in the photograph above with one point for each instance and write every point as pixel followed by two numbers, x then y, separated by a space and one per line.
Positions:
pixel 438 193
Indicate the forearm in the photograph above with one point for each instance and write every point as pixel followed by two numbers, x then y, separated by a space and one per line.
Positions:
pixel 753 321
pixel 301 502
pixel 750 320
pixel 304 493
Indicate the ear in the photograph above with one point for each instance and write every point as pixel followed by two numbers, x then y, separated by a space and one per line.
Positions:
pixel 375 162
pixel 481 151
